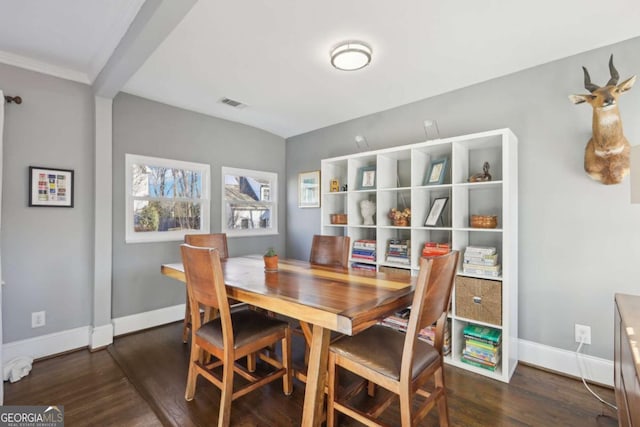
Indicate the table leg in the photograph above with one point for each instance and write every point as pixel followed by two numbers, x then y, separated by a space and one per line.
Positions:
pixel 316 377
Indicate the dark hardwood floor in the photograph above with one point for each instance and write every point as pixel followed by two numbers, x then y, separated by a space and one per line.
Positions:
pixel 140 381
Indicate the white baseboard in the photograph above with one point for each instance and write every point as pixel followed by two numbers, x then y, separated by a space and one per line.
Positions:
pixel 47 345
pixel 596 369
pixel 148 319
pixel 86 336
pixel 101 336
pixel 564 361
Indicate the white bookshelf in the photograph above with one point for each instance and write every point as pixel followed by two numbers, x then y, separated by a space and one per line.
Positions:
pixel 400 177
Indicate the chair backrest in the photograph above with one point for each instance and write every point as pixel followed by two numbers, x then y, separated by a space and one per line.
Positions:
pixel 330 250
pixel 216 240
pixel 430 301
pixel 205 286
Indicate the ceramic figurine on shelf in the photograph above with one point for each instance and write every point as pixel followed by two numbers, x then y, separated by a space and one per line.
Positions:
pixel 483 176
pixel 367 209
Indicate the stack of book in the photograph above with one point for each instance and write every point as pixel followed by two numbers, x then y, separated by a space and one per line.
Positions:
pixel 481 260
pixel 364 250
pixel 399 251
pixel 482 346
pixel 400 319
pixel 435 249
pixel 363 266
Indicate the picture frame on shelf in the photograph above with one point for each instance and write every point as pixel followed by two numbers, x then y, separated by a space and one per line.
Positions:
pixel 435 213
pixel 50 187
pixel 334 185
pixel 366 178
pixel 309 189
pixel 436 173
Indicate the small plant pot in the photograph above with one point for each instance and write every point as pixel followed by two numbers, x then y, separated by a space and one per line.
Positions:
pixel 271 263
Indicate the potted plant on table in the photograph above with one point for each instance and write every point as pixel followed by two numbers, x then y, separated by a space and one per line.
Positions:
pixel 270 260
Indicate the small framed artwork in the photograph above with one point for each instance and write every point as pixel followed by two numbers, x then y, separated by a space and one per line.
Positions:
pixel 334 185
pixel 309 189
pixel 50 187
pixel 435 213
pixel 436 172
pixel 367 178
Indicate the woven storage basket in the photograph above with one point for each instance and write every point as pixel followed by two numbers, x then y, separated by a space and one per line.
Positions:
pixel 479 299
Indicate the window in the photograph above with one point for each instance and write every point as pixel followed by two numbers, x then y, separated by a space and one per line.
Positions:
pixel 166 199
pixel 250 202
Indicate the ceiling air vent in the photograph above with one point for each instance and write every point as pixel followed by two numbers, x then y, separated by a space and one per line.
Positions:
pixel 232 103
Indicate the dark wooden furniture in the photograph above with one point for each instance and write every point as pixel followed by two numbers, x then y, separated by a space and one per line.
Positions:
pixel 330 250
pixel 338 300
pixel 216 240
pixel 627 359
pixel 400 362
pixel 229 337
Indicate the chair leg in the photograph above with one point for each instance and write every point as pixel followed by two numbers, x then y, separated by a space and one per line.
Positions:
pixel 405 407
pixel 443 408
pixel 187 319
pixel 332 386
pixel 251 362
pixel 192 376
pixel 224 418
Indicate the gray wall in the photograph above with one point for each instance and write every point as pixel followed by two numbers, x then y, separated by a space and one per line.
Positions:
pixel 47 253
pixel 152 129
pixel 579 241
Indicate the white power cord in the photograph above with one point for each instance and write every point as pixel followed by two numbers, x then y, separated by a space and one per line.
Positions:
pixel 585 382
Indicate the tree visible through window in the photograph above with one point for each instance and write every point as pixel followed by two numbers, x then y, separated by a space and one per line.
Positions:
pixel 165 198
pixel 249 202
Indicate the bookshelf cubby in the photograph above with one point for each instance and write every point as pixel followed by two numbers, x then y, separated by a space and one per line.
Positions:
pixel 400 174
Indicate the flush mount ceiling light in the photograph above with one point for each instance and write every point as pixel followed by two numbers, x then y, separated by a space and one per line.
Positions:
pixel 351 55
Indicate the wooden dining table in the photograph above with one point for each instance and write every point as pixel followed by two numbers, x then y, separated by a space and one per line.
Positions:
pixel 322 298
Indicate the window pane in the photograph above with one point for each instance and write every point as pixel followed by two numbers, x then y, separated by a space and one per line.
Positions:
pixel 165 216
pixel 245 199
pixel 154 181
pixel 243 216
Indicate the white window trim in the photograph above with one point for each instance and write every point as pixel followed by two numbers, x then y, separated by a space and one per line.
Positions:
pixel 270 176
pixel 164 236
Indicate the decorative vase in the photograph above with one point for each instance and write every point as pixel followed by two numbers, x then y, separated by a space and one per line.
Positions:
pixel 401 222
pixel 271 263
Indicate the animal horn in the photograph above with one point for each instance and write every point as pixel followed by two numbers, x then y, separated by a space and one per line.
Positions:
pixel 614 73
pixel 587 82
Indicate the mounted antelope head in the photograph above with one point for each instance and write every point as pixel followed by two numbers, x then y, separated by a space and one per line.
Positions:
pixel 606 156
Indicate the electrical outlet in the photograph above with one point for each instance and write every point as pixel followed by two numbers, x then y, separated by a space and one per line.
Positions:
pixel 38 319
pixel 583 334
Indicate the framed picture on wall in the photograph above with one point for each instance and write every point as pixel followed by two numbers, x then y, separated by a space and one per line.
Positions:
pixel 309 189
pixel 50 187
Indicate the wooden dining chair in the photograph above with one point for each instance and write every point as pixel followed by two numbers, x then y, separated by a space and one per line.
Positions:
pixel 218 241
pixel 399 362
pixel 330 250
pixel 230 336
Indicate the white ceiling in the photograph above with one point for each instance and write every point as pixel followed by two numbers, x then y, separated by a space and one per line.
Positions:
pixel 274 55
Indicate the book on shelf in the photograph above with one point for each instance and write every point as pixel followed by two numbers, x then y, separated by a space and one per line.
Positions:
pixel 398 251
pixel 479 272
pixel 480 259
pixel 398 260
pixel 473 362
pixel 435 249
pixel 483 267
pixel 400 320
pixel 480 250
pixel 483 333
pixel 364 244
pixel 363 266
pixel 486 356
